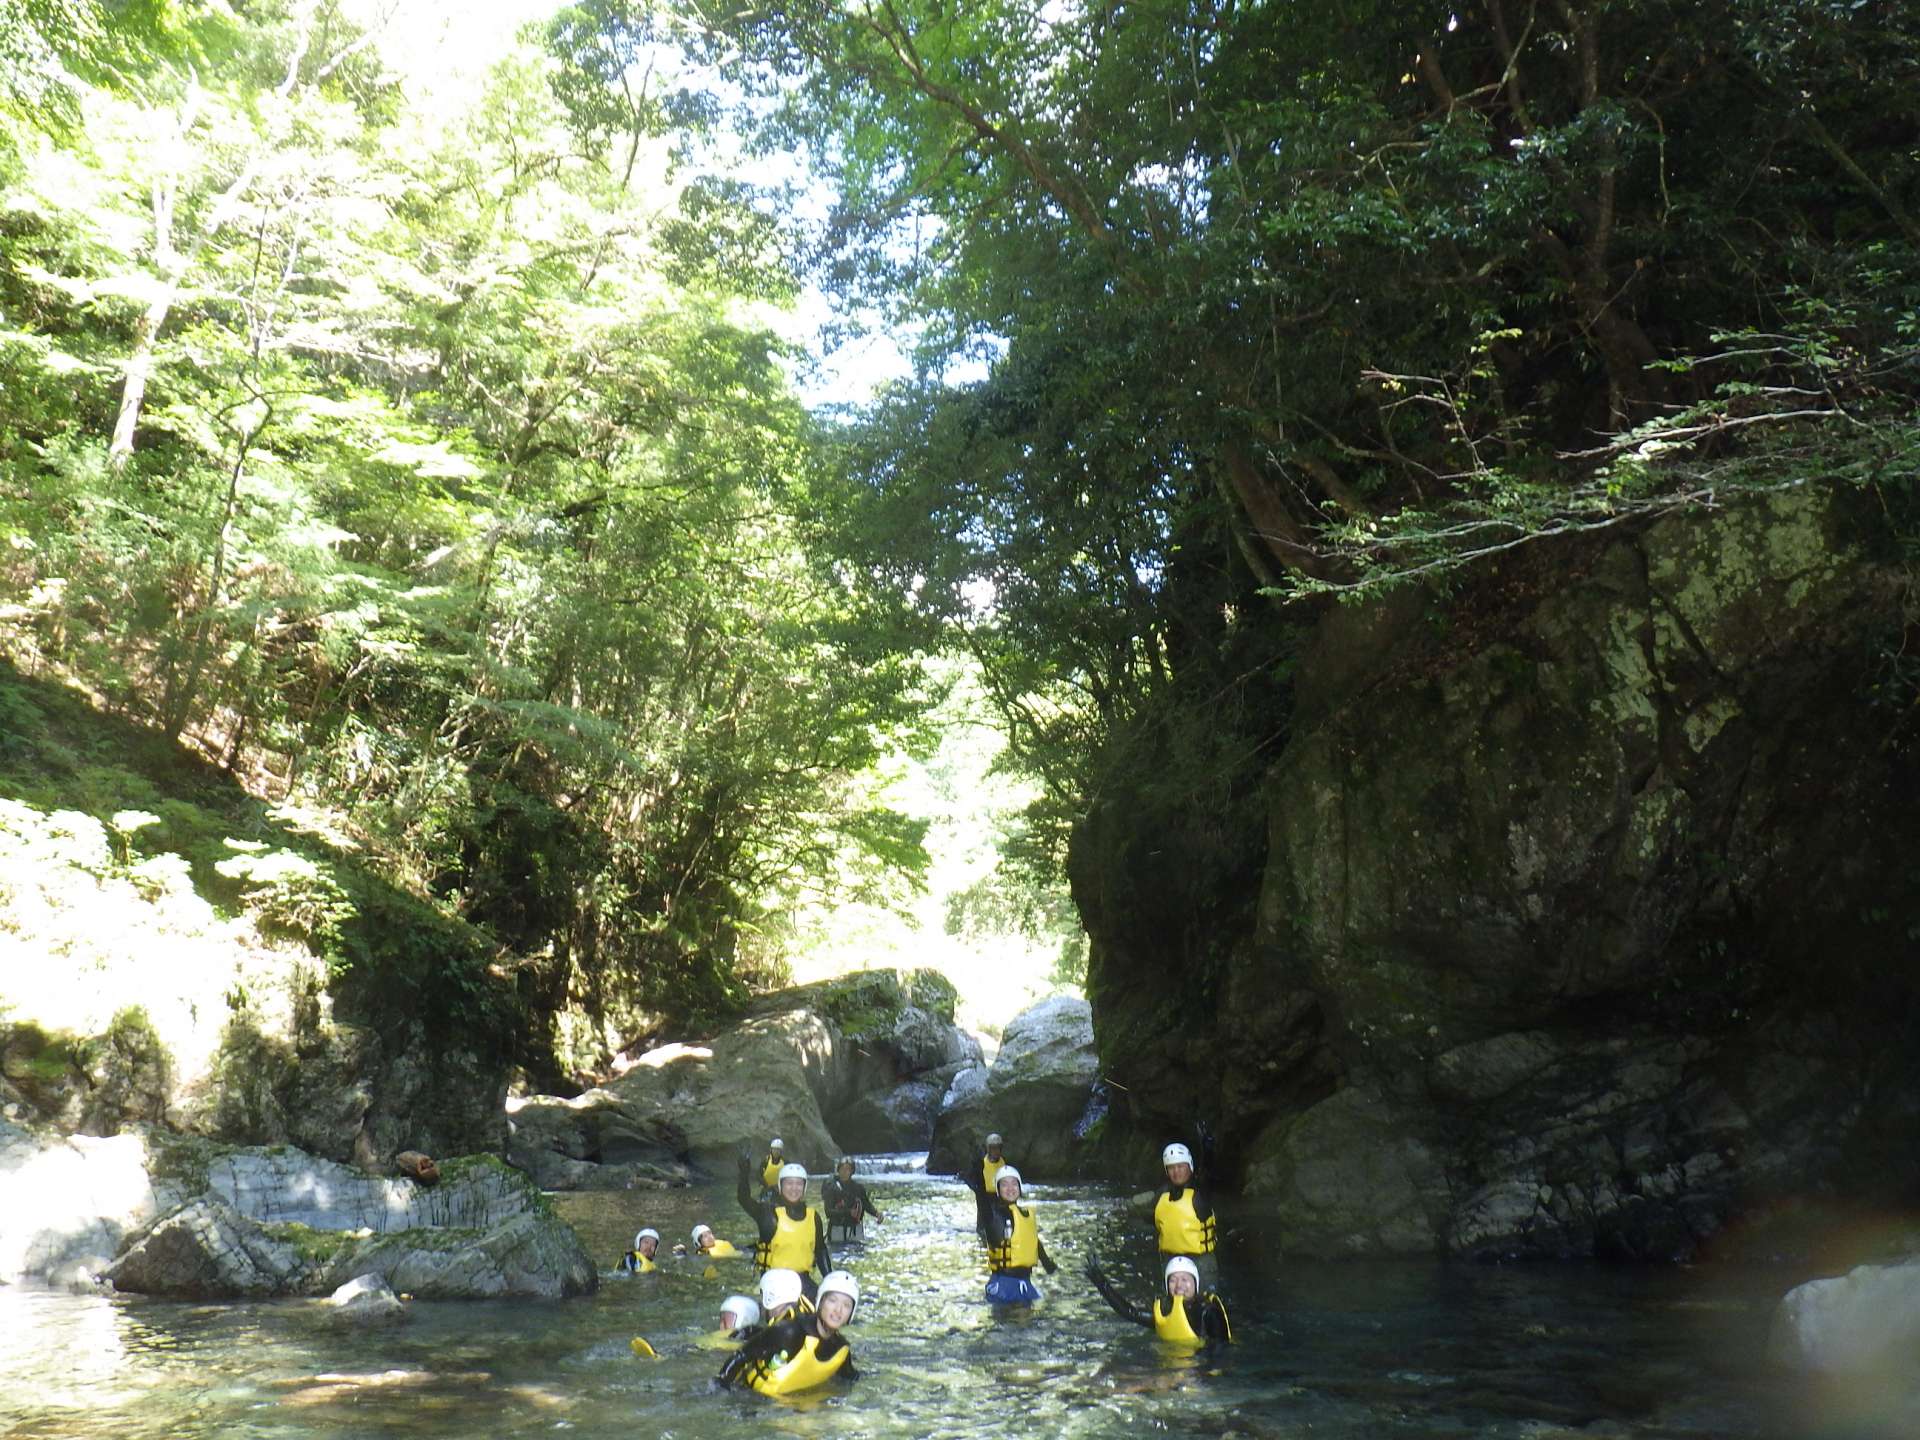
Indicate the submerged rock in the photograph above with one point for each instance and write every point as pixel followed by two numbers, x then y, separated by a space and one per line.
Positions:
pixel 367 1300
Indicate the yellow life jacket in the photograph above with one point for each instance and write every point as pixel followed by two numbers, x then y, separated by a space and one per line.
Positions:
pixel 639 1263
pixel 1021 1247
pixel 1171 1322
pixel 1180 1230
pixel 798 1372
pixel 770 1171
pixel 720 1340
pixel 990 1171
pixel 721 1250
pixel 791 1247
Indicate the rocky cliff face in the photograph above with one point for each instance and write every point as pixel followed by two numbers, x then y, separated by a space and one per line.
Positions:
pixel 1582 927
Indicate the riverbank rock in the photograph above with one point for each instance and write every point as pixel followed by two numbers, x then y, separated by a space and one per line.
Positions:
pixel 1860 1323
pixel 278 1222
pixel 1036 1094
pixel 68 1202
pixel 1573 918
pixel 849 1064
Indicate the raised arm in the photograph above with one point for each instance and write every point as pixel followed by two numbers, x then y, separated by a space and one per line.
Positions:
pixel 1046 1260
pixel 822 1256
pixel 1122 1306
pixel 744 1193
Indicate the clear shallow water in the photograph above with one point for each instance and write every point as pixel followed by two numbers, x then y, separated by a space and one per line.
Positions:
pixel 1327 1350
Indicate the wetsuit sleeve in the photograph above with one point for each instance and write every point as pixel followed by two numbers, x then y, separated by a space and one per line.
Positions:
pixel 822 1256
pixel 866 1201
pixel 971 1178
pixel 1213 1320
pixel 1122 1306
pixel 1046 1260
pixel 761 1346
pixel 762 1214
pixel 1203 1177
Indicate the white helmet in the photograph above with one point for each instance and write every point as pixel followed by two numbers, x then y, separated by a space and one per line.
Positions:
pixel 1007 1172
pixel 791 1171
pixel 1176 1154
pixel 777 1145
pixel 843 1282
pixel 778 1288
pixel 700 1230
pixel 745 1309
pixel 996 1139
pixel 649 1232
pixel 1181 1265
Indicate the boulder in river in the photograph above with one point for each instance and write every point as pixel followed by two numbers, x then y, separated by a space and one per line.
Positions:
pixel 278 1222
pixel 1036 1094
pixel 1864 1322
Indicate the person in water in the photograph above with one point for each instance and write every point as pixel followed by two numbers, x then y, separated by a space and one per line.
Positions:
pixel 782 1296
pixel 739 1319
pixel 846 1201
pixel 1183 1315
pixel 802 1351
pixel 1183 1219
pixel 793 1235
pixel 710 1245
pixel 990 1166
pixel 1013 1241
pixel 770 1164
pixel 639 1260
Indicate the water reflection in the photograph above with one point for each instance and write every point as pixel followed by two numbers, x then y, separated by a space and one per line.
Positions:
pixel 1329 1350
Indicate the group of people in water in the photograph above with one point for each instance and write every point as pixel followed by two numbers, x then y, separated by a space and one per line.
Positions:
pixel 791 1338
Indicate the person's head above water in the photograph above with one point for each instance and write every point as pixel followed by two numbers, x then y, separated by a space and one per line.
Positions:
pixel 737 1312
pixel 845 1168
pixel 793 1183
pixel 1183 1277
pixel 703 1237
pixel 777 1146
pixel 994 1142
pixel 1177 1160
pixel 647 1241
pixel 839 1295
pixel 780 1290
pixel 1007 1183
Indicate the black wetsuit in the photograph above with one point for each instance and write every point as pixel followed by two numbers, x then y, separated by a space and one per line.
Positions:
pixel 975 1180
pixel 763 1213
pixel 1205 1313
pixel 837 1199
pixel 765 1344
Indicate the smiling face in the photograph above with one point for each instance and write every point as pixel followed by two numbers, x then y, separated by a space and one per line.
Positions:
pixel 648 1244
pixel 1181 1283
pixel 792 1188
pixel 704 1240
pixel 1179 1174
pixel 1009 1189
pixel 835 1310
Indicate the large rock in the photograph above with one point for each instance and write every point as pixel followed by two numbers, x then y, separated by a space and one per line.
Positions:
pixel 1856 1324
pixel 596 1141
pixel 855 1063
pixel 1036 1094
pixel 68 1202
pixel 1580 917
pixel 277 1222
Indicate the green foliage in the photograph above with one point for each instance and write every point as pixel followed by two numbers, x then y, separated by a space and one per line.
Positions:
pixel 932 992
pixel 431 472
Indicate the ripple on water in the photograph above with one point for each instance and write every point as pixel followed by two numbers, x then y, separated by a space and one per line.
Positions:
pixel 1330 1350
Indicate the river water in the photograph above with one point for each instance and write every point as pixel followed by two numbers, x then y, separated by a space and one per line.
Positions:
pixel 1327 1350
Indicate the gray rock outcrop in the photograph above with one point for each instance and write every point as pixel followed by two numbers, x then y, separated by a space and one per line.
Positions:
pixel 68 1202
pixel 1579 922
pixel 1036 1094
pixel 278 1222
